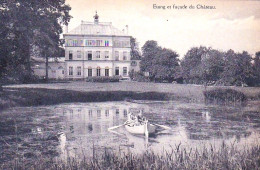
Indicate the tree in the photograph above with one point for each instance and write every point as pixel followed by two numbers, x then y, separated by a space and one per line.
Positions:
pixel 165 65
pixel 238 69
pixel 212 66
pixel 191 64
pixel 149 52
pixel 135 52
pixel 30 27
pixel 161 63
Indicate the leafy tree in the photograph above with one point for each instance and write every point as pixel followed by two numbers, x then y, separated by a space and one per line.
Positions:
pixel 237 69
pixel 212 66
pixel 165 65
pixel 149 52
pixel 191 64
pixel 30 27
pixel 135 52
pixel 160 63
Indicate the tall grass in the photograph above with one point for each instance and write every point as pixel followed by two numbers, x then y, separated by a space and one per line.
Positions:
pixel 225 157
pixel 224 96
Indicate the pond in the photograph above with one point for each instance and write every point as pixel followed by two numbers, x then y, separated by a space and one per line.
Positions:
pixel 73 130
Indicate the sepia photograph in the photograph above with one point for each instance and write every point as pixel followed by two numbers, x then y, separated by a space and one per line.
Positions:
pixel 129 84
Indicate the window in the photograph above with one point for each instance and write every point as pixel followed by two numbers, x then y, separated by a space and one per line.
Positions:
pixel 124 55
pixel 89 72
pixel 124 71
pixel 106 43
pixel 70 71
pixel 90 42
pixel 90 113
pixel 99 43
pixel 98 71
pixel 98 54
pixel 117 71
pixel 89 55
pixel 116 55
pixel 69 43
pixel 78 54
pixel 121 44
pixel 125 112
pixel 106 54
pixel 80 42
pixel 75 42
pixel 117 111
pixel 62 71
pixel 70 55
pixel 79 71
pixel 98 113
pixel 107 113
pixel 106 72
pixel 133 63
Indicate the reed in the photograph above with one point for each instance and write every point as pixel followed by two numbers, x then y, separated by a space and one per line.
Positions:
pixel 224 157
pixel 224 96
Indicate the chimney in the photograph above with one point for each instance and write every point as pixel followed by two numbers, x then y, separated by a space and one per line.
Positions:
pixel 96 18
pixel 126 28
pixel 66 28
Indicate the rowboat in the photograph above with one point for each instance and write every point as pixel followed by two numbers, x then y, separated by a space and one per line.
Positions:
pixel 143 128
pixel 139 125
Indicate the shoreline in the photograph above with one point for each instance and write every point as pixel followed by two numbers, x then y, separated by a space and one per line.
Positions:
pixel 57 93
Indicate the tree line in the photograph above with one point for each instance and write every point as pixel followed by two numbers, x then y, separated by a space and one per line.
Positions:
pixel 200 65
pixel 33 28
pixel 29 28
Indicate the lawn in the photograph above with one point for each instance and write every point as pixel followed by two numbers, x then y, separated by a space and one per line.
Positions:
pixel 194 92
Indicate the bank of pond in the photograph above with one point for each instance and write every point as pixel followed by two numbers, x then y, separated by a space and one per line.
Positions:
pixel 11 97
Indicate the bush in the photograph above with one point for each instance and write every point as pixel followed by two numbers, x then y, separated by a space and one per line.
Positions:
pixel 224 96
pixel 138 76
pixel 103 79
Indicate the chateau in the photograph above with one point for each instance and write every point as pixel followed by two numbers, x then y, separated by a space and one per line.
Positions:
pixel 94 49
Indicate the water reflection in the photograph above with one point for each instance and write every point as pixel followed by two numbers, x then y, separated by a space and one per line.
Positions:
pixel 75 129
pixel 191 126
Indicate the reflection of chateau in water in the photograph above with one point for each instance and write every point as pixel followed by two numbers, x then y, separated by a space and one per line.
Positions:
pixel 96 120
pixel 87 124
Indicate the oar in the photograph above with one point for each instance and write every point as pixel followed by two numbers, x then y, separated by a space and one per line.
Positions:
pixel 116 132
pixel 162 126
pixel 114 127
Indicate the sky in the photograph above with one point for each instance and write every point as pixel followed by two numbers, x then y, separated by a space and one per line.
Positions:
pixel 231 25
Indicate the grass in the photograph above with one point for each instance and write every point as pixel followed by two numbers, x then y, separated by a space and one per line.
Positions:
pixel 36 97
pixel 225 157
pixel 81 91
pixel 224 96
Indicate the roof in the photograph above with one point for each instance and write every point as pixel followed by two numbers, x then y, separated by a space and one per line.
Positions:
pixel 100 28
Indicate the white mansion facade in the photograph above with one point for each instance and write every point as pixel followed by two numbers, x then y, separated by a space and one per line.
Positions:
pixel 92 49
pixel 96 49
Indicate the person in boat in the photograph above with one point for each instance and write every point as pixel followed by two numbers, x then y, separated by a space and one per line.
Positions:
pixel 141 119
